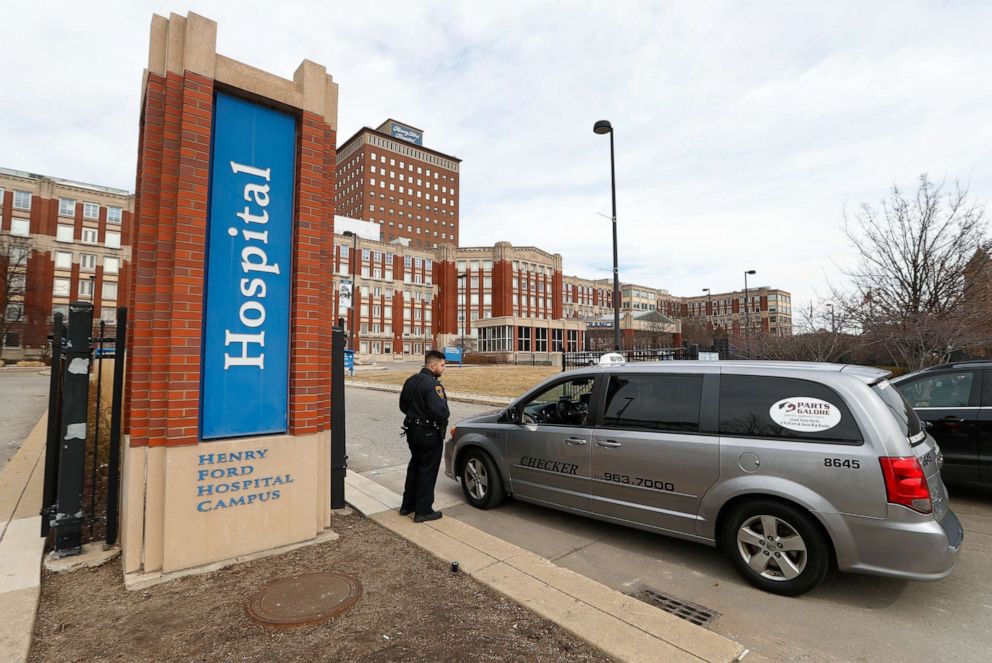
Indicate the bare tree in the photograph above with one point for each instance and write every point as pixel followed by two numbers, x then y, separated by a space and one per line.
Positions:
pixel 699 331
pixel 822 333
pixel 910 285
pixel 14 252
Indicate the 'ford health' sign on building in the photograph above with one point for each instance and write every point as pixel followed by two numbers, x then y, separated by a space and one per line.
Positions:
pixel 246 309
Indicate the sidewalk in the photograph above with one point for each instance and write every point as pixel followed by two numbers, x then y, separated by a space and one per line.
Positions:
pixel 622 627
pixel 21 545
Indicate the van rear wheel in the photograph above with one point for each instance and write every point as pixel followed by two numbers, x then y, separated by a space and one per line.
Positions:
pixel 776 547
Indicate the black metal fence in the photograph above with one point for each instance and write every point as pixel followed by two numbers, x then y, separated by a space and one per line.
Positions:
pixel 82 459
pixel 578 359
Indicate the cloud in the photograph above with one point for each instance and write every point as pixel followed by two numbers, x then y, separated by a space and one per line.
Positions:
pixel 742 131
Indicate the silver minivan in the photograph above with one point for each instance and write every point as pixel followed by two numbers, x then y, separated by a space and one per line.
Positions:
pixel 789 467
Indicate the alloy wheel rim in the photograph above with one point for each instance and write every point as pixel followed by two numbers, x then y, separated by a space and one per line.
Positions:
pixel 772 548
pixel 476 479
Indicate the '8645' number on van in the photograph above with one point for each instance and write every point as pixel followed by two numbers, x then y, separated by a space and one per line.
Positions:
pixel 842 462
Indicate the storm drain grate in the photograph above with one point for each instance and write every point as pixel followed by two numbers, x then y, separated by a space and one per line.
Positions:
pixel 687 610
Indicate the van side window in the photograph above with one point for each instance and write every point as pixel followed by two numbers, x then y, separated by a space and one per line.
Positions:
pixel 654 402
pixel 746 402
pixel 564 404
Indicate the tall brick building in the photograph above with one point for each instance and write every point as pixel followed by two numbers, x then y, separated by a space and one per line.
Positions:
pixel 79 239
pixel 765 309
pixel 388 177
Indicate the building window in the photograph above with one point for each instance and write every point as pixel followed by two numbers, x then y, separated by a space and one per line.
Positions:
pixel 63 233
pixel 87 261
pixel 14 312
pixel 61 288
pixel 109 290
pixel 63 260
pixel 20 227
pixel 67 207
pixel 523 339
pixel 111 265
pixel 85 288
pixel 89 236
pixel 109 315
pixel 114 214
pixel 91 211
pixel 22 200
pixel 113 240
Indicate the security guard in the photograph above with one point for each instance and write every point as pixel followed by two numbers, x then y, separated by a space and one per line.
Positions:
pixel 425 405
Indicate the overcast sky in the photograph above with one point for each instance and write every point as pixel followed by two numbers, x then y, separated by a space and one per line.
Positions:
pixel 743 129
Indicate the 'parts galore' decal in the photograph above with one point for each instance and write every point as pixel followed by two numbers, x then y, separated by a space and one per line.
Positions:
pixel 805 414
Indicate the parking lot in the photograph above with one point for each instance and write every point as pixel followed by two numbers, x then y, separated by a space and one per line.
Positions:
pixel 847 618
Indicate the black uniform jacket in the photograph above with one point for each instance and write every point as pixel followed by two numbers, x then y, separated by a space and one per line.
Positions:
pixel 423 398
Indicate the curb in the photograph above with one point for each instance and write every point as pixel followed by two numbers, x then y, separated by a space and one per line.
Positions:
pixel 21 544
pixel 620 626
pixel 461 397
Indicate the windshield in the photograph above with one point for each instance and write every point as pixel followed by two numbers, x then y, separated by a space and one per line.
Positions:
pixel 904 414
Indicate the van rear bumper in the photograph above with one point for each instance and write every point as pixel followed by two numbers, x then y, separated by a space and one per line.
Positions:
pixel 905 544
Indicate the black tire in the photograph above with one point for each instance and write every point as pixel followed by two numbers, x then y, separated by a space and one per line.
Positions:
pixel 781 564
pixel 480 479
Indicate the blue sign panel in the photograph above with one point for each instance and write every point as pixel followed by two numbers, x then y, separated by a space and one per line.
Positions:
pixel 407 134
pixel 245 374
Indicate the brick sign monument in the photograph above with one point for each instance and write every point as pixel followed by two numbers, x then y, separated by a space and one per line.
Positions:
pixel 229 365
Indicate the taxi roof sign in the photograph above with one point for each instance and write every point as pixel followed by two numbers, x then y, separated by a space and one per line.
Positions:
pixel 612 359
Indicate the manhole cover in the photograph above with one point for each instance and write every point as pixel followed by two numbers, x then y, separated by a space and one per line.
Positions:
pixel 303 600
pixel 691 612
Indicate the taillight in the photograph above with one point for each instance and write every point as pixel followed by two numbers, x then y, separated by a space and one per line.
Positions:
pixel 454 429
pixel 905 483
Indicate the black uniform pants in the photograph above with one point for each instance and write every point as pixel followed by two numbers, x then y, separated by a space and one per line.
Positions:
pixel 426 446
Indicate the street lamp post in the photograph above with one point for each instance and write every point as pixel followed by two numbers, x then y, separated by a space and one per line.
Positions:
pixel 604 127
pixel 747 305
pixel 709 308
pixel 355 264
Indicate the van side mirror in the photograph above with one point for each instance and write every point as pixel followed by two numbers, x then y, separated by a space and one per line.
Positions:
pixel 511 415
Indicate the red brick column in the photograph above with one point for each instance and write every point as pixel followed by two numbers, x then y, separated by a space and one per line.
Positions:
pixel 165 292
pixel 445 309
pixel 313 284
pixel 503 288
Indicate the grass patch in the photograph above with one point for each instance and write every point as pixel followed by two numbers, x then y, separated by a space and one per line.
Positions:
pixel 508 381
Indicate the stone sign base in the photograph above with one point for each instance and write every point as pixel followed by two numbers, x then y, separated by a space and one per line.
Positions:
pixel 190 506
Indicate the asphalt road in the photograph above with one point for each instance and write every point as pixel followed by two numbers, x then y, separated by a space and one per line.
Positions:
pixel 23 399
pixel 847 618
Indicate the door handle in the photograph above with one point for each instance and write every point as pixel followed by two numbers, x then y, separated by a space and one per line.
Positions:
pixel 575 441
pixel 609 444
pixel 951 419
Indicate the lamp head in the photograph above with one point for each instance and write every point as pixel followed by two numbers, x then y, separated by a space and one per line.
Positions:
pixel 706 290
pixel 602 127
pixel 348 233
pixel 750 271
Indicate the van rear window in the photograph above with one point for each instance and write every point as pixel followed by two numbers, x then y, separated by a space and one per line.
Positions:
pixel 904 414
pixel 784 408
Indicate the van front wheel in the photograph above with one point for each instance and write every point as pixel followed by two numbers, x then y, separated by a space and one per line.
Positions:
pixel 480 480
pixel 775 547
